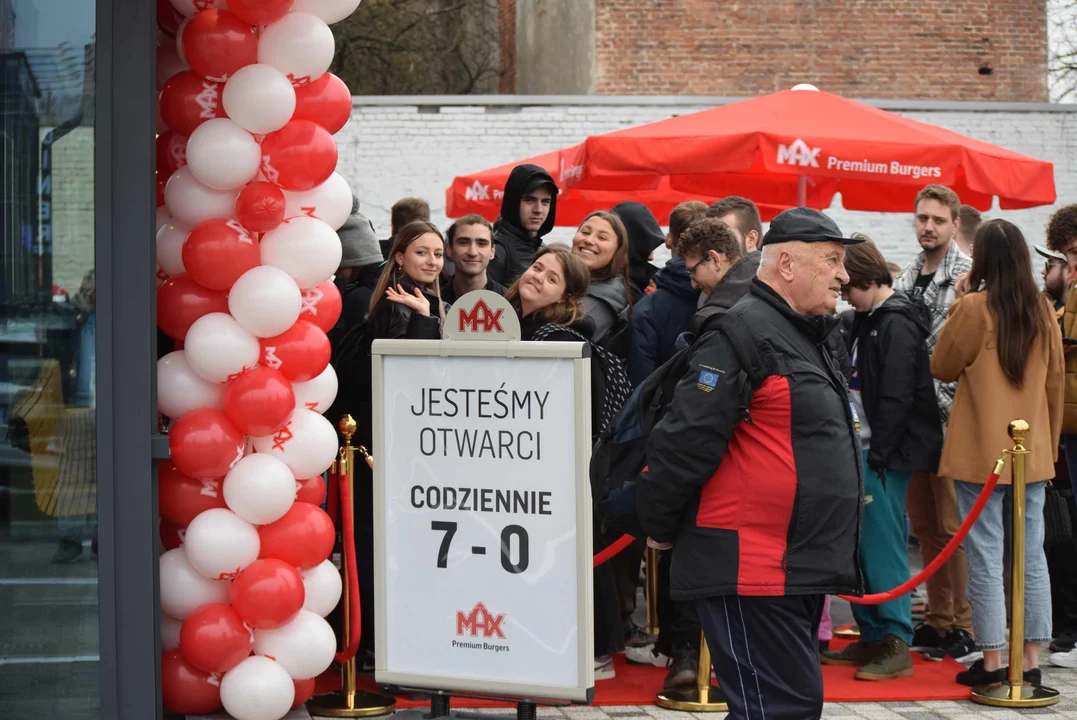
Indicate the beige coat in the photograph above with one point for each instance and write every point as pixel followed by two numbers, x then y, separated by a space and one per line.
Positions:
pixel 986 402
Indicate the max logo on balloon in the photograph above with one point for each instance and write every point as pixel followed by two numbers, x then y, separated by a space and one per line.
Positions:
pixel 479 622
pixel 481 318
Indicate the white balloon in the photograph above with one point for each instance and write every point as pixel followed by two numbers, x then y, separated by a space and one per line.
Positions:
pixel 184 589
pixel 220 544
pixel 332 11
pixel 330 202
pixel 304 247
pixel 323 587
pixel 180 389
pixel 257 689
pixel 218 348
pixel 170 247
pixel 190 7
pixel 300 45
pixel 192 203
pixel 307 443
pixel 222 155
pixel 163 217
pixel 259 489
pixel 304 647
pixel 170 632
pixel 259 98
pixel 318 393
pixel 265 300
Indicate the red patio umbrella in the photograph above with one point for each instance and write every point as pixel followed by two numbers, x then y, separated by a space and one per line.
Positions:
pixel 800 147
pixel 481 193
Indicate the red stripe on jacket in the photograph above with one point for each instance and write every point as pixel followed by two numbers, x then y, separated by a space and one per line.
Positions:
pixel 754 490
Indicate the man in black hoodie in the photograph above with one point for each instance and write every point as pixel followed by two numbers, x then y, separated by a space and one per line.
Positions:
pixel 644 235
pixel 528 211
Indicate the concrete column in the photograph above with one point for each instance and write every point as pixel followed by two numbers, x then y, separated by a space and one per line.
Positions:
pixel 555 47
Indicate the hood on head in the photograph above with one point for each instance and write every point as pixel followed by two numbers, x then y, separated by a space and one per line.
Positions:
pixel 524 179
pixel 644 235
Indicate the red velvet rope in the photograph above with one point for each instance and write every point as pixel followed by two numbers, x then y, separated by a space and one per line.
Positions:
pixel 934 565
pixel 347 534
pixel 615 547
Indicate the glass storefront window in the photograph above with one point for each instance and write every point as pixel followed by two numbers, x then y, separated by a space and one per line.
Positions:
pixel 48 483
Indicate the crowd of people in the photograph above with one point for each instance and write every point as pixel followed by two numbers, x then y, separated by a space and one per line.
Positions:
pixel 802 446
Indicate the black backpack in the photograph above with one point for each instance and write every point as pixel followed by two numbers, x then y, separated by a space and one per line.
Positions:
pixel 616 388
pixel 619 454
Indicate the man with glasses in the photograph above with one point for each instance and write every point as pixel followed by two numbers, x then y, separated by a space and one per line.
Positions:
pixel 1054 277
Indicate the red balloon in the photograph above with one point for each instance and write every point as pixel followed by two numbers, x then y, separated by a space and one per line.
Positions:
pixel 304 690
pixel 214 638
pixel 171 535
pixel 300 156
pixel 259 401
pixel 267 593
pixel 216 43
pixel 171 152
pixel 301 352
pixel 260 206
pixel 311 490
pixel 260 12
pixel 168 18
pixel 303 537
pixel 322 305
pixel 205 444
pixel 180 499
pixel 181 301
pixel 188 100
pixel 162 179
pixel 326 101
pixel 218 251
pixel 185 689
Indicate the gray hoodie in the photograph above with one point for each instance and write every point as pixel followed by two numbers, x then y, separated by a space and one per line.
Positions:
pixel 604 301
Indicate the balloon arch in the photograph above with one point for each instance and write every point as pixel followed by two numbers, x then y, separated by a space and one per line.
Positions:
pixel 248 208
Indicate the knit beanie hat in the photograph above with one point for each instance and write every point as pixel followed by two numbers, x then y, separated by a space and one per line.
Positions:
pixel 359 243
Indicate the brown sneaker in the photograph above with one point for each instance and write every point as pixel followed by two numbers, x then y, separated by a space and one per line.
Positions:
pixel 892 661
pixel 856 654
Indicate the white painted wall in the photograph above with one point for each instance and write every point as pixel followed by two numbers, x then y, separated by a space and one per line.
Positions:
pixel 389 151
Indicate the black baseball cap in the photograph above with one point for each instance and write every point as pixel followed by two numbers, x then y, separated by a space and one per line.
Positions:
pixel 804 225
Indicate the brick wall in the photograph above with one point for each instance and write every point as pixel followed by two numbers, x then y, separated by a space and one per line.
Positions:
pixel 389 151
pixel 865 48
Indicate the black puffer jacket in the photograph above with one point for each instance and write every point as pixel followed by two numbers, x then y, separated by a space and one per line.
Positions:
pixel 606 304
pixel 899 398
pixel 514 247
pixel 390 320
pixel 768 504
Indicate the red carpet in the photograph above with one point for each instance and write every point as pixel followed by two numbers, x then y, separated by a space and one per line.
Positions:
pixel 637 685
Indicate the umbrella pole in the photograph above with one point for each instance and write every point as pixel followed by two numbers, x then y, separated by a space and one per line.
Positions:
pixel 802 191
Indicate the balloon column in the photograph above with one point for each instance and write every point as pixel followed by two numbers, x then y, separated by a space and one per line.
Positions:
pixel 248 208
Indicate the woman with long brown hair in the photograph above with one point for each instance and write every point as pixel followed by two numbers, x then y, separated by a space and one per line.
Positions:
pixel 601 242
pixel 406 302
pixel 1003 347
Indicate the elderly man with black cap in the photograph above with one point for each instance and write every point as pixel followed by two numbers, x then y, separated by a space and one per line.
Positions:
pixel 754 476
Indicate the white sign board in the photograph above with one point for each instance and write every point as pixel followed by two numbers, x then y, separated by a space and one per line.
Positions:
pixel 483 517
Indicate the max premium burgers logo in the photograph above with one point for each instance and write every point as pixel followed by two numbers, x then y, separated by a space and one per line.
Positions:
pixel 799 154
pixel 479 623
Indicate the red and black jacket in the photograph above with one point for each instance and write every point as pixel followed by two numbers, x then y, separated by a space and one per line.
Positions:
pixel 769 504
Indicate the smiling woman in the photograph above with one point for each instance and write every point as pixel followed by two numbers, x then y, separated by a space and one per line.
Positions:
pixel 601 242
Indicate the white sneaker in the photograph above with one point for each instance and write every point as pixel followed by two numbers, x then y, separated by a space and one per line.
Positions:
pixel 646 655
pixel 604 667
pixel 1064 659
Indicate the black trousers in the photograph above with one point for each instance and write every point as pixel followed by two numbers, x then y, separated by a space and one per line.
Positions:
pixel 765 652
pixel 678 625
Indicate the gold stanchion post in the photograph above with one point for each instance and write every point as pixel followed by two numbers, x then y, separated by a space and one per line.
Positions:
pixel 350 702
pixel 651 571
pixel 704 697
pixel 1014 692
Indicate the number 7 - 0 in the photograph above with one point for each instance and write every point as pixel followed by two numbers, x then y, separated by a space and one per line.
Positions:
pixel 449 528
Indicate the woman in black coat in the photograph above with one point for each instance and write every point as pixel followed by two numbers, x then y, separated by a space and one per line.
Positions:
pixel 407 300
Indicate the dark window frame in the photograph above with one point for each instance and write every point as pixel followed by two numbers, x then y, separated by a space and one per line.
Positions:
pixel 125 125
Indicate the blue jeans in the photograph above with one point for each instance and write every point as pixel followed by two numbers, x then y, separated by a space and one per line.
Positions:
pixel 983 547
